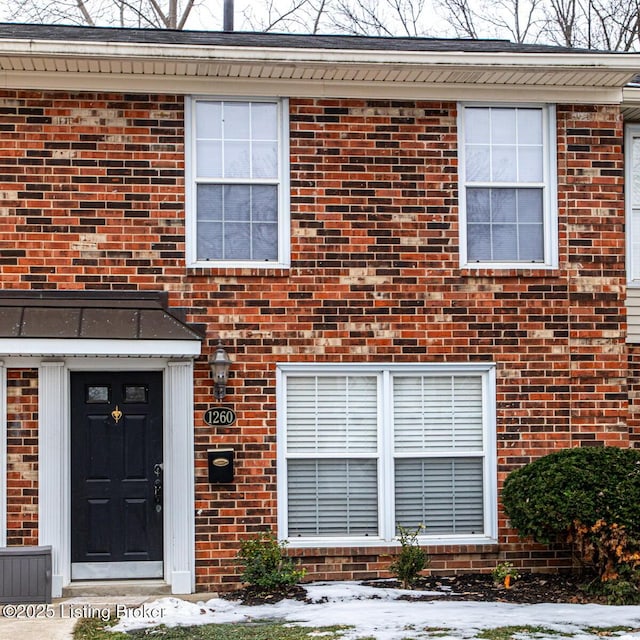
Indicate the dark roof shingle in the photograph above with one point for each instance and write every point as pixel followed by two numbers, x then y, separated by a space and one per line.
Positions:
pixel 268 40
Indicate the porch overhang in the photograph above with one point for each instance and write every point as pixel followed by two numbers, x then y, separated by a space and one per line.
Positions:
pixel 91 323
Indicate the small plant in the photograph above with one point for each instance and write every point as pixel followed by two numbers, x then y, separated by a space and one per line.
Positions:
pixel 266 565
pixel 411 560
pixel 505 573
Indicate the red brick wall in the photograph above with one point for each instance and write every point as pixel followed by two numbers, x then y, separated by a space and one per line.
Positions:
pixel 22 457
pixel 95 186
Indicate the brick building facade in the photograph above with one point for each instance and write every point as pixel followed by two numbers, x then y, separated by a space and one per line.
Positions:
pixel 376 320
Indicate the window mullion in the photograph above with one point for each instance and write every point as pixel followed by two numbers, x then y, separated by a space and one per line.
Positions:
pixel 386 449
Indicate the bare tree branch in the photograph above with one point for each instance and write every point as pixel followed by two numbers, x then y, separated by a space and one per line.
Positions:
pixel 160 14
pixel 598 24
pixel 82 7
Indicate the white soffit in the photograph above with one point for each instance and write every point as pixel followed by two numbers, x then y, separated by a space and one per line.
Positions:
pixel 311 72
pixel 631 103
pixel 114 348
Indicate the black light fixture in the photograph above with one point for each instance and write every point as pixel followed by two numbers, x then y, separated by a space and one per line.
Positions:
pixel 220 364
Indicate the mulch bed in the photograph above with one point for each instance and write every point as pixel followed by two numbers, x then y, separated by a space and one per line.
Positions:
pixel 530 588
pixel 256 596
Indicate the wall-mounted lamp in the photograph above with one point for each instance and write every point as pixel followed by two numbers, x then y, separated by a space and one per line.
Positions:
pixel 220 364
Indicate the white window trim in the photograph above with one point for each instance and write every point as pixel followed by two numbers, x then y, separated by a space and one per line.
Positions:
pixel 191 222
pixel 630 131
pixel 386 451
pixel 550 197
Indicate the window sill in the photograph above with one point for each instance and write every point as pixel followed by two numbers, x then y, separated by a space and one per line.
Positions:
pixel 529 271
pixel 251 272
pixel 425 541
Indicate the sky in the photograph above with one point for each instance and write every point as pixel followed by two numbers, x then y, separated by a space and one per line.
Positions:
pixel 380 614
pixel 208 14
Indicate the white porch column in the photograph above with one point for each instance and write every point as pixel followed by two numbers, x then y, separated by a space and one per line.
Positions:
pixel 179 478
pixel 3 455
pixel 53 475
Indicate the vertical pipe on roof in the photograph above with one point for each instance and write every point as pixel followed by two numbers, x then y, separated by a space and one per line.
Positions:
pixel 227 16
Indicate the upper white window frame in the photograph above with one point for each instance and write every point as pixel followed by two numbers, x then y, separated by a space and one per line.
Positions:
pixel 550 198
pixel 386 453
pixel 191 182
pixel 631 131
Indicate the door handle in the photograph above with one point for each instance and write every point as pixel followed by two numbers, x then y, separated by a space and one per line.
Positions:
pixel 157 487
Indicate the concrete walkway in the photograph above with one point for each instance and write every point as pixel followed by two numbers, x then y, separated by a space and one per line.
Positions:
pixel 57 620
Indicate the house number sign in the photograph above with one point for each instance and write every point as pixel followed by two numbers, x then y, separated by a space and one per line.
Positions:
pixel 220 416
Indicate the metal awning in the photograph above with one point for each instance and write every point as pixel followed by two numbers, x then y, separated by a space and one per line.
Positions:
pixel 92 315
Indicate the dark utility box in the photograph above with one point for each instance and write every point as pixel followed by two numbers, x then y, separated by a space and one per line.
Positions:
pixel 220 466
pixel 25 574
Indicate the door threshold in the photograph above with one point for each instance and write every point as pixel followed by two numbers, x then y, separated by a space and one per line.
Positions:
pixel 102 588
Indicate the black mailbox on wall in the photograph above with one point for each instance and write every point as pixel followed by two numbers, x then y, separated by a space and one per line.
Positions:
pixel 220 465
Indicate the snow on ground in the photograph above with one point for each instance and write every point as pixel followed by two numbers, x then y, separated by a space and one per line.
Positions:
pixel 378 613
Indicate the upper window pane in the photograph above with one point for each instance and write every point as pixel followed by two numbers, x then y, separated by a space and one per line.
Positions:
pixel 437 413
pixel 264 121
pixel 530 126
pixel 209 120
pixel 236 140
pixel 332 413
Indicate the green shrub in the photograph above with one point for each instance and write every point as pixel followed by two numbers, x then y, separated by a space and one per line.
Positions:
pixel 411 560
pixel 624 589
pixel 266 565
pixel 586 497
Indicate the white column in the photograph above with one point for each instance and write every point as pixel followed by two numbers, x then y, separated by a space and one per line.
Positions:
pixel 3 455
pixel 53 476
pixel 179 478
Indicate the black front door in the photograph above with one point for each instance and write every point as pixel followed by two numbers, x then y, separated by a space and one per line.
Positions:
pixel 116 475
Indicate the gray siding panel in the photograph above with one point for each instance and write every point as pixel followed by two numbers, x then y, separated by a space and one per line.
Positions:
pixel 25 574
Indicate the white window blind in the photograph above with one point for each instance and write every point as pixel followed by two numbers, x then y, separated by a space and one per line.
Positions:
pixel 437 413
pixel 445 495
pixel 333 497
pixel 332 414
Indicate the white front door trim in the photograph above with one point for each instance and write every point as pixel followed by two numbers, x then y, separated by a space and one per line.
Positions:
pixel 54 477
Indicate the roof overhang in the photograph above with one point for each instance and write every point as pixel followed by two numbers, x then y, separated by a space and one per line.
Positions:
pixel 314 72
